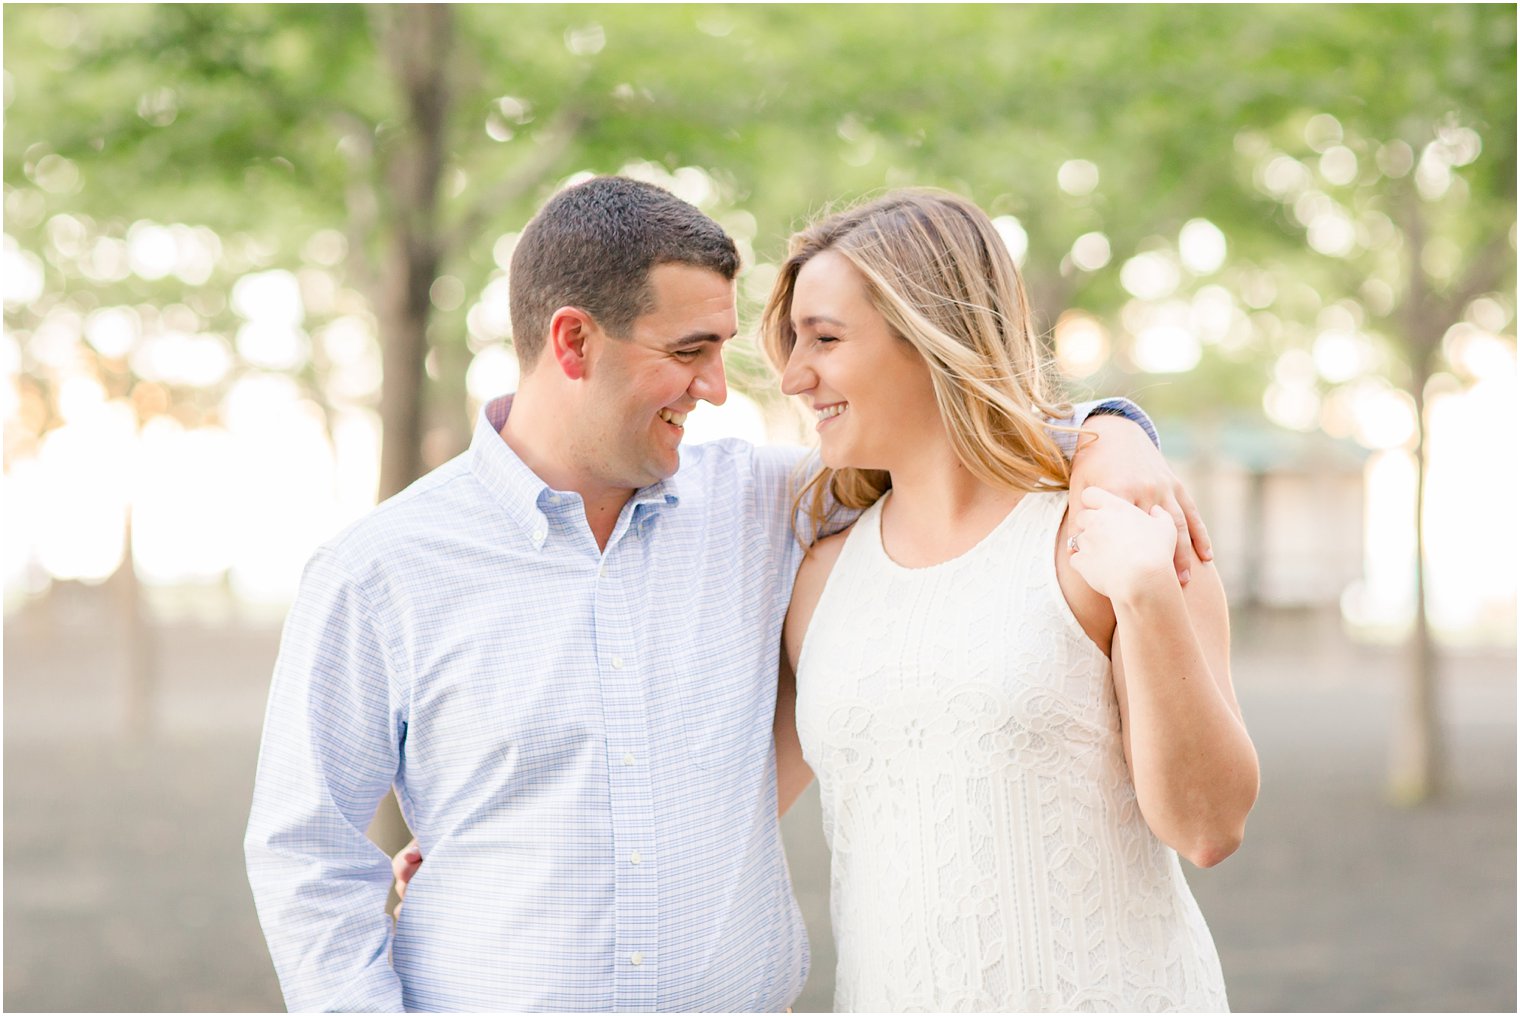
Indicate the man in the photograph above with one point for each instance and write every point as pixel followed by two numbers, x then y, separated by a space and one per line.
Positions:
pixel 561 648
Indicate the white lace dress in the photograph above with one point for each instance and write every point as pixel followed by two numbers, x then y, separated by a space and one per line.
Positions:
pixel 988 852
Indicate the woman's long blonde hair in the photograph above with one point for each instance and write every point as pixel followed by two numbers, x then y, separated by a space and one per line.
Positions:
pixel 937 270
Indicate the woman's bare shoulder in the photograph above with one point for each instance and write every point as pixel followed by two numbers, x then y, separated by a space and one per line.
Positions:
pixel 811 579
pixel 822 554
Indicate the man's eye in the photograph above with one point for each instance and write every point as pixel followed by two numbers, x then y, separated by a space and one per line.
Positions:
pixel 687 355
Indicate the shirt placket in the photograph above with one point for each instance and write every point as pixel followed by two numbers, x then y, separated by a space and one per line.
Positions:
pixel 635 885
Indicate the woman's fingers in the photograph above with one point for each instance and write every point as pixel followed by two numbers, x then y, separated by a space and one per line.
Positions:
pixel 404 865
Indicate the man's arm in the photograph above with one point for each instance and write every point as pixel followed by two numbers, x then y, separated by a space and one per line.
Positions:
pixel 1083 413
pixel 1119 451
pixel 329 754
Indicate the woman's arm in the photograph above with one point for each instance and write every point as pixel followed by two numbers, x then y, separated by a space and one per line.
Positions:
pixel 1195 770
pixel 792 772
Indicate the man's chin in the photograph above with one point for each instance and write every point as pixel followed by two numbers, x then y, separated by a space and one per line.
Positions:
pixel 659 469
pixel 665 470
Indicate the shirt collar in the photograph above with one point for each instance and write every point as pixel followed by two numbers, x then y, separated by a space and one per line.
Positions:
pixel 658 495
pixel 518 489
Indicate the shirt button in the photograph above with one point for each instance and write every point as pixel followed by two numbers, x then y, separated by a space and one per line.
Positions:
pixel 540 533
pixel 637 959
pixel 628 759
pixel 636 857
pixel 617 663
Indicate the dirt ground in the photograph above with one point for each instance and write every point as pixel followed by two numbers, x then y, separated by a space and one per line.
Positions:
pixel 124 883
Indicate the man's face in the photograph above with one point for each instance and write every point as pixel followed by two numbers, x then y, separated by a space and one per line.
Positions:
pixel 641 387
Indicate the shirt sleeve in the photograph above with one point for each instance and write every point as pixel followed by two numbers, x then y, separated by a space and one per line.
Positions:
pixel 329 753
pixel 1118 407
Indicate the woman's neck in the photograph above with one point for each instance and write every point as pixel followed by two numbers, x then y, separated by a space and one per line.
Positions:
pixel 938 509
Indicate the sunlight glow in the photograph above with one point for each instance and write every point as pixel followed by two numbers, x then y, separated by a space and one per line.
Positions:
pixel 1015 238
pixel 1090 252
pixel 1151 276
pixel 492 372
pixel 113 331
pixel 1213 313
pixel 1081 344
pixel 1338 165
pixel 183 516
pixel 86 468
pixel 490 320
pixel 151 250
pixel 1291 405
pixel 1202 246
pixel 178 358
pixel 1341 355
pixel 20 275
pixel 1166 349
pixel 740 416
pixel 1077 177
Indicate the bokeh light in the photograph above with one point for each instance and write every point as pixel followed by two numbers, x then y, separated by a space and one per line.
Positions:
pixel 1078 177
pixel 1015 237
pixel 1090 251
pixel 1202 246
pixel 1082 345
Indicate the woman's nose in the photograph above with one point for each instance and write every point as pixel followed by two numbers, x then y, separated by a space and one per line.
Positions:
pixel 797 377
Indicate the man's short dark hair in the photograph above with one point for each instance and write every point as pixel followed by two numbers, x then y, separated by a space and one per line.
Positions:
pixel 593 245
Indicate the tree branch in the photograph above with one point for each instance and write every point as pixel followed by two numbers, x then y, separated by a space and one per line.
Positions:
pixel 552 144
pixel 360 199
pixel 1488 270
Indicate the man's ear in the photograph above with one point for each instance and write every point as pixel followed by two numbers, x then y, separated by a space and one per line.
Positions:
pixel 570 331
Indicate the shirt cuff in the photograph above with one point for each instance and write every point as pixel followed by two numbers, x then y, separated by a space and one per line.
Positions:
pixel 1081 411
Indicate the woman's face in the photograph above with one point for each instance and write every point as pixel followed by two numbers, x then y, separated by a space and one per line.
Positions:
pixel 869 389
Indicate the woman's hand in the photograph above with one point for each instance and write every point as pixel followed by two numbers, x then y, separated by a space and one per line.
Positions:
pixel 1117 455
pixel 1194 768
pixel 404 865
pixel 1119 549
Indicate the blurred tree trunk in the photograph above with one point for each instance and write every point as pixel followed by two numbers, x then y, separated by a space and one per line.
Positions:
pixel 405 216
pixel 416 42
pixel 1416 766
pixel 141 661
pixel 1417 770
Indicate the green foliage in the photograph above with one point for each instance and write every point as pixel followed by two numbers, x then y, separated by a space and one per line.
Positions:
pixel 276 121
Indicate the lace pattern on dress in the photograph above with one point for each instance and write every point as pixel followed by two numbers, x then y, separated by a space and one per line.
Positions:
pixel 988 851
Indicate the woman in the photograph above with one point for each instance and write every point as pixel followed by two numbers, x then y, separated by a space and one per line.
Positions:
pixel 1017 715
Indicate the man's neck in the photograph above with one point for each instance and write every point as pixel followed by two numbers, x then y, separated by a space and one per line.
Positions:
pixel 538 437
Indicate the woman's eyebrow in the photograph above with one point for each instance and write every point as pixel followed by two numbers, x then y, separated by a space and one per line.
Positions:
pixel 814 320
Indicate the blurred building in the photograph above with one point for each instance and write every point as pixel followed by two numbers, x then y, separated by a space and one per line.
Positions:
pixel 1285 509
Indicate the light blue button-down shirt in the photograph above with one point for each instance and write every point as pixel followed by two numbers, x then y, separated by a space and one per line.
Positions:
pixel 580 739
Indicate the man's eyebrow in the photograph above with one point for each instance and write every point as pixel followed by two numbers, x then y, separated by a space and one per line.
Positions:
pixel 697 338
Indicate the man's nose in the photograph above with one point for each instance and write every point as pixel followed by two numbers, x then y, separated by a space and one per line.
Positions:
pixel 711 385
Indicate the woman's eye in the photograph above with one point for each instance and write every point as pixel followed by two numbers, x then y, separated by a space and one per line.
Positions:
pixel 824 339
